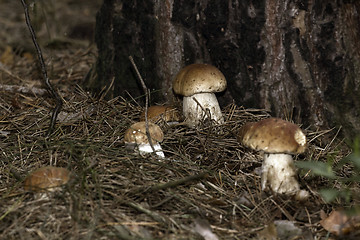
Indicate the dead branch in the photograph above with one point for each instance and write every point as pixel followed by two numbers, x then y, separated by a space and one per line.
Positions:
pixel 22 89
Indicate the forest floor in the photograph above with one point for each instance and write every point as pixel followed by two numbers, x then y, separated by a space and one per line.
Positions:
pixel 207 186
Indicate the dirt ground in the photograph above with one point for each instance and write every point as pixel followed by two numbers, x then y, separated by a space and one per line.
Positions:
pixel 207 186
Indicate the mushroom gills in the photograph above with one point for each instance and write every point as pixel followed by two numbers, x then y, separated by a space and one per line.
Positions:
pixel 279 174
pixel 201 106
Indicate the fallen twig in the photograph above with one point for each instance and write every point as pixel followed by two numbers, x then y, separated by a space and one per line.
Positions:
pixel 157 217
pixel 171 184
pixel 178 182
pixel 22 89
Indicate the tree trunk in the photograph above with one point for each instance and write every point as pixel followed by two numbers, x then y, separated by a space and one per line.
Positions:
pixel 299 59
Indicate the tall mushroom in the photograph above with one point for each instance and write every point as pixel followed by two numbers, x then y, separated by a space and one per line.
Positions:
pixel 198 83
pixel 278 139
pixel 136 136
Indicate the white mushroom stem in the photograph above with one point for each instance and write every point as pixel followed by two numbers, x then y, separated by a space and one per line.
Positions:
pixel 279 174
pixel 146 148
pixel 205 106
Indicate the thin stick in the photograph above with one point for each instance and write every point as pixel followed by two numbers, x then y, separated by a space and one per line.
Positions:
pixel 146 102
pixel 154 215
pixel 172 184
pixel 50 88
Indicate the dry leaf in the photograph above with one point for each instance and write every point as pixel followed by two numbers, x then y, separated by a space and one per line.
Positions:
pixel 8 56
pixel 28 56
pixel 15 103
pixel 339 223
pixel 268 233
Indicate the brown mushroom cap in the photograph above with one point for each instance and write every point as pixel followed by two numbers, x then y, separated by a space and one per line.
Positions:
pixel 273 135
pixel 199 78
pixel 167 113
pixel 137 133
pixel 46 178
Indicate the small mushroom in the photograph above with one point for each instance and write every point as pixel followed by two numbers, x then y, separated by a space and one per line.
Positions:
pixel 167 114
pixel 46 179
pixel 198 83
pixel 136 136
pixel 278 139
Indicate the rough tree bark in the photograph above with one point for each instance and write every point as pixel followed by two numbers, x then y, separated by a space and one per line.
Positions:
pixel 299 59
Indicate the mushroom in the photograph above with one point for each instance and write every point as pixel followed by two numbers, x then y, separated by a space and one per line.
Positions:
pixel 136 136
pixel 167 114
pixel 278 139
pixel 198 83
pixel 46 179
